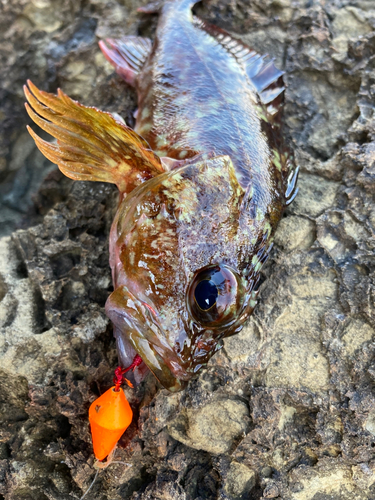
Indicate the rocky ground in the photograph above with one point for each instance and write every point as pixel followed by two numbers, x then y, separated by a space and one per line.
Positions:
pixel 287 408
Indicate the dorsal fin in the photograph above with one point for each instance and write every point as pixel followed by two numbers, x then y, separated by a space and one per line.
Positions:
pixel 263 74
pixel 127 54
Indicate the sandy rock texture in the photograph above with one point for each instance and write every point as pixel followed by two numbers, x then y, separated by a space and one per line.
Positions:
pixel 287 408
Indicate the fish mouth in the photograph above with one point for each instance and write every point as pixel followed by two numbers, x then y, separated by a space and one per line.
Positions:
pixel 137 321
pixel 154 358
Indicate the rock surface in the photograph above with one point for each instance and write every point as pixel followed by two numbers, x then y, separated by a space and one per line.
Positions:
pixel 287 408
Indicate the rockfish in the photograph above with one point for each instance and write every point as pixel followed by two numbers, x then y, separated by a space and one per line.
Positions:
pixel 204 178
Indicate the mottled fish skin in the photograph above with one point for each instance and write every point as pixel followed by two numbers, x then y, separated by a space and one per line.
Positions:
pixel 202 190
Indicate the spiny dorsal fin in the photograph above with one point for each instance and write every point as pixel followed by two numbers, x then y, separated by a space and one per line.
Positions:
pixel 262 72
pixel 91 144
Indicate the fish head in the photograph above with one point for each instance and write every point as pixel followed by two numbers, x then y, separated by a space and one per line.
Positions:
pixel 183 266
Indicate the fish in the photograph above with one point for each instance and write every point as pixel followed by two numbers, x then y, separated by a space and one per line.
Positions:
pixel 203 178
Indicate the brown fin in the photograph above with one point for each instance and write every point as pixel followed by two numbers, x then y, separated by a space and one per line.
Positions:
pixel 91 144
pixel 127 54
pixel 266 78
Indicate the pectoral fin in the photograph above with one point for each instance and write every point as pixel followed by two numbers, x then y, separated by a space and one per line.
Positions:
pixel 91 144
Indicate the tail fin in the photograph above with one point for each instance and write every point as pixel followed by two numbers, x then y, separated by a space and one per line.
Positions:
pixel 91 144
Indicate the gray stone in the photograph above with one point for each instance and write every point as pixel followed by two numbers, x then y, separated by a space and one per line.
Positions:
pixel 349 22
pixel 315 195
pixel 239 481
pixel 214 428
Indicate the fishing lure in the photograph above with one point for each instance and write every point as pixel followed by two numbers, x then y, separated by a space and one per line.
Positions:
pixel 204 178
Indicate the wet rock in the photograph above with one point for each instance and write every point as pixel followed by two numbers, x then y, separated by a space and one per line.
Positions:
pixel 271 490
pixel 245 349
pixel 295 232
pixel 328 480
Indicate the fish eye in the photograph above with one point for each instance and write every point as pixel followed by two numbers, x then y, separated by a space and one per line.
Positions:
pixel 213 296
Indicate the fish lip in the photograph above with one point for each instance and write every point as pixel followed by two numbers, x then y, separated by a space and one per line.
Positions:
pixel 149 315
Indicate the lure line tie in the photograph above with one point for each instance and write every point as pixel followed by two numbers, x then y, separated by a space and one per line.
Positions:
pixel 119 378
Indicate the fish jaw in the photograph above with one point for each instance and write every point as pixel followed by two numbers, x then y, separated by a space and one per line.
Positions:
pixel 135 333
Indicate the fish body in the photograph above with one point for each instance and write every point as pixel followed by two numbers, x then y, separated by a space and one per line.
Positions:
pixel 204 179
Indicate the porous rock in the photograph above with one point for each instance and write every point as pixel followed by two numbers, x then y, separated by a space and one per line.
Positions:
pixel 214 428
pixel 286 409
pixel 239 481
